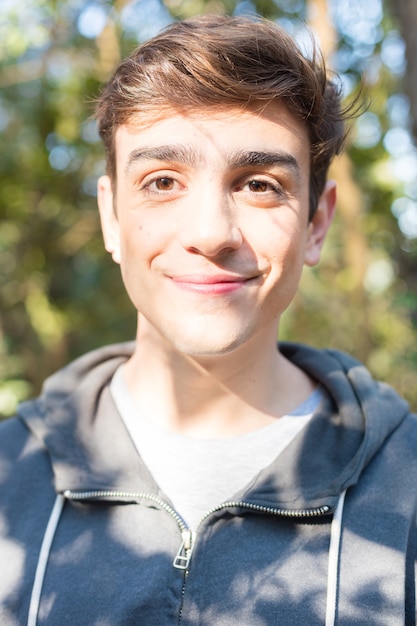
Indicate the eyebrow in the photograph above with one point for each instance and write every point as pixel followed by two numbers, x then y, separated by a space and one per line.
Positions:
pixel 178 153
pixel 175 153
pixel 258 158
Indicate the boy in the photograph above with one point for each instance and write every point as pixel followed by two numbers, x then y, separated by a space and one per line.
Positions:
pixel 202 475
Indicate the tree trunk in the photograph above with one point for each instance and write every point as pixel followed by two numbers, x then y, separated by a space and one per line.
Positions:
pixel 350 198
pixel 406 12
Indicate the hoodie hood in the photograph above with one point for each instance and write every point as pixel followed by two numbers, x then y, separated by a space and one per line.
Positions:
pixel 356 418
pixel 89 448
pixel 77 422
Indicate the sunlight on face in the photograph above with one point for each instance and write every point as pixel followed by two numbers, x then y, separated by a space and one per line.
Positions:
pixel 211 230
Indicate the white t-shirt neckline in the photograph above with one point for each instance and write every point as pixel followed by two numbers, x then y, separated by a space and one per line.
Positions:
pixel 197 474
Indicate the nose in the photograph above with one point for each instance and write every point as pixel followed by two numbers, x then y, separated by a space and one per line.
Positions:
pixel 210 225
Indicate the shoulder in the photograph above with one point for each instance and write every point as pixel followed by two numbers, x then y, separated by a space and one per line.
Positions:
pixel 24 464
pixel 26 479
pixel 404 440
pixel 14 436
pixel 26 498
pixel 391 475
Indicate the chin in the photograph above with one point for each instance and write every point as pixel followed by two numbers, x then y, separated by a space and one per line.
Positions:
pixel 208 346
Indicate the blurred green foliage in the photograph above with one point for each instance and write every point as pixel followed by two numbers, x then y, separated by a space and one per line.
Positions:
pixel 60 294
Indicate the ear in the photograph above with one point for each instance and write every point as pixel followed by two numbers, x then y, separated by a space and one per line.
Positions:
pixel 320 224
pixel 108 218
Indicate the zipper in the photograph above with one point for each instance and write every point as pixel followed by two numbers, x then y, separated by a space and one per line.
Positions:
pixel 297 513
pixel 183 556
pixel 182 560
pixel 127 496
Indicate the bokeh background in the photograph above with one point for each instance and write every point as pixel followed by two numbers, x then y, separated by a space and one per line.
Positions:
pixel 60 295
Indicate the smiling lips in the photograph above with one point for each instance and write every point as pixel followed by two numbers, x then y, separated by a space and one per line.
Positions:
pixel 217 284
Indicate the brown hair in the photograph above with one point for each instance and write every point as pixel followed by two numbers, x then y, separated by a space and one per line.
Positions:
pixel 217 61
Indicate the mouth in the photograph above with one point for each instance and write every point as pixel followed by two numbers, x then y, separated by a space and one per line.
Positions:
pixel 213 284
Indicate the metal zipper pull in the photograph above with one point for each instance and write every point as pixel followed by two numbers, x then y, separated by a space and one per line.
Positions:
pixel 183 556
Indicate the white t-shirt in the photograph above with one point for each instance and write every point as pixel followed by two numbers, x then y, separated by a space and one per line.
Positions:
pixel 198 474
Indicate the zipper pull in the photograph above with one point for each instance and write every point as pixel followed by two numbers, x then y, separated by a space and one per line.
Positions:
pixel 183 556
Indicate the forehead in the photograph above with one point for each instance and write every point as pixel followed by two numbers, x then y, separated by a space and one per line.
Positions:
pixel 209 134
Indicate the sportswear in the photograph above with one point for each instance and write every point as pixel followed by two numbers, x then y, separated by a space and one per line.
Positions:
pixel 324 535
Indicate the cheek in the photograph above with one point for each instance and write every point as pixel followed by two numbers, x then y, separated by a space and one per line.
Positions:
pixel 142 244
pixel 283 242
pixel 134 237
pixel 133 253
pixel 145 230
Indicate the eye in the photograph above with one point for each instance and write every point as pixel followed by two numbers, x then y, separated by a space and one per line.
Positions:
pixel 260 190
pixel 258 186
pixel 162 187
pixel 162 184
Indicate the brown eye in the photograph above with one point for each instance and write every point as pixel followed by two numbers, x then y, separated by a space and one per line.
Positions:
pixel 258 186
pixel 164 184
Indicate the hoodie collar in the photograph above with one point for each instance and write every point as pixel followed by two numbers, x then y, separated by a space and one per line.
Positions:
pixel 354 420
pixel 77 422
pixel 89 448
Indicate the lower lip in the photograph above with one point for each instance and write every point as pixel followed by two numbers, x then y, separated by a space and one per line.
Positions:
pixel 214 289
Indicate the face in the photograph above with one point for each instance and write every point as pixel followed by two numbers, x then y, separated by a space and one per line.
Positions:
pixel 209 222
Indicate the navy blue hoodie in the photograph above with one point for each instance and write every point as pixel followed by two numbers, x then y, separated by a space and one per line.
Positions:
pixel 325 535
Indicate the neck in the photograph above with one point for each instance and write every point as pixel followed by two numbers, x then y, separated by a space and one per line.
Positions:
pixel 216 396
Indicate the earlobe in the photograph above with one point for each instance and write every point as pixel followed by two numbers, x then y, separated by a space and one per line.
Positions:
pixel 320 224
pixel 108 218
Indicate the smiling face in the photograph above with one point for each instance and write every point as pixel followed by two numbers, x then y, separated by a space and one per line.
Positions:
pixel 211 224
